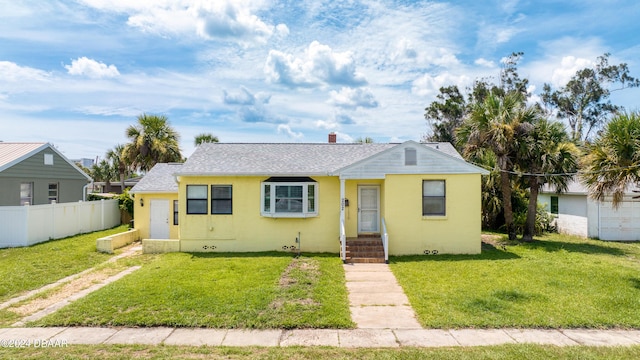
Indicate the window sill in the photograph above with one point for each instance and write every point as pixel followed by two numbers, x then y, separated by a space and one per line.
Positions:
pixel 435 217
pixel 289 215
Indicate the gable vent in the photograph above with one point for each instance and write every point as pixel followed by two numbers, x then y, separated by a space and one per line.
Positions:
pixel 410 156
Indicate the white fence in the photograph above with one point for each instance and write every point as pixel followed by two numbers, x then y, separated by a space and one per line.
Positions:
pixel 28 225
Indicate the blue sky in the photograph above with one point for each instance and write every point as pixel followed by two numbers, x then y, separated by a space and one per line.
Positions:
pixel 77 73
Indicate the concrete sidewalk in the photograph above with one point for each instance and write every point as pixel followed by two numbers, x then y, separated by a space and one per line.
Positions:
pixel 359 338
pixel 376 300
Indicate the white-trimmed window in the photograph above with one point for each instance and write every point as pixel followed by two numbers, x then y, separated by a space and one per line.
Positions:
pixel 26 193
pixel 197 199
pixel 433 198
pixel 289 197
pixel 53 193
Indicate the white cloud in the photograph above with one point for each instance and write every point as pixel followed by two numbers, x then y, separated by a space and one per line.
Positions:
pixel 428 85
pixel 91 68
pixel 12 72
pixel 282 30
pixel 220 19
pixel 353 97
pixel 568 67
pixel 404 50
pixel 286 129
pixel 326 124
pixel 342 137
pixel 244 97
pixel 484 62
pixel 320 65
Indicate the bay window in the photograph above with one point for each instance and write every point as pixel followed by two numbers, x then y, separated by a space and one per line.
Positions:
pixel 289 197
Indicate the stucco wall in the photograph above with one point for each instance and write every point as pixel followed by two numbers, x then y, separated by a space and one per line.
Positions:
pixel 141 213
pixel 400 204
pixel 458 232
pixel 247 230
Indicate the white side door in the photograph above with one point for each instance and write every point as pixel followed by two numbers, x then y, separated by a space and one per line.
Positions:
pixel 368 209
pixel 159 219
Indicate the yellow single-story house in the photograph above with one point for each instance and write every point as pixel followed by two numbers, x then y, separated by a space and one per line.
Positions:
pixel 404 198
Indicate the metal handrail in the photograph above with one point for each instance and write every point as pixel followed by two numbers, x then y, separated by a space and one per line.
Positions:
pixel 343 242
pixel 385 241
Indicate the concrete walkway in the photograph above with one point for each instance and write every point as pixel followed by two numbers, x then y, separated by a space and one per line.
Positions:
pixel 376 300
pixel 337 338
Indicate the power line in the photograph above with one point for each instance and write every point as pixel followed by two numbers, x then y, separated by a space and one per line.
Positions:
pixel 518 173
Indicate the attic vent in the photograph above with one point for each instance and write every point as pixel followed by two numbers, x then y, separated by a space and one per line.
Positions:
pixel 410 156
pixel 48 159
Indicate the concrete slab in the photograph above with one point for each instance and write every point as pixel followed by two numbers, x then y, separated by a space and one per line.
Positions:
pixel 365 267
pixel 85 335
pixel 367 338
pixel 252 338
pixel 310 337
pixel 393 298
pixel 598 338
pixel 425 337
pixel 2 330
pixel 540 336
pixel 32 333
pixel 148 336
pixel 631 334
pixel 377 276
pixel 384 317
pixel 372 287
pixel 481 337
pixel 196 337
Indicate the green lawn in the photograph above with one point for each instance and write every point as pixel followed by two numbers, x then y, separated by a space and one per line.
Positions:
pixel 32 267
pixel 556 282
pixel 530 352
pixel 250 290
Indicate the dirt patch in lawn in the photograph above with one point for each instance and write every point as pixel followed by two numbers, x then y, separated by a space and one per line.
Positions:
pixel 299 269
pixel 495 240
pixel 48 296
pixel 63 292
pixel 296 284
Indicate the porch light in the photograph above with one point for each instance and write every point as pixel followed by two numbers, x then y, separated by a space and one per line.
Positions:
pixel 142 202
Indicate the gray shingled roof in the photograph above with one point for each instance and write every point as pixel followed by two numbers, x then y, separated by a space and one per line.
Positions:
pixel 284 159
pixel 159 179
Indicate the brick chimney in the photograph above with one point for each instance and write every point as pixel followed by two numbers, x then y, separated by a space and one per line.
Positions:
pixel 332 138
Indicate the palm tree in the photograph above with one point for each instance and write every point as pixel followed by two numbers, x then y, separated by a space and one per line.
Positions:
pixel 205 138
pixel 613 160
pixel 103 171
pixel 494 124
pixel 119 160
pixel 366 140
pixel 153 140
pixel 545 156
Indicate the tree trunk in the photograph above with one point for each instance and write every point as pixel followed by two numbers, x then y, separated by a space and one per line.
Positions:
pixel 532 210
pixel 122 182
pixel 505 184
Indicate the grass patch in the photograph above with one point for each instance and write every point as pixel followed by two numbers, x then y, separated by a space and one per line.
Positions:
pixel 558 281
pixel 252 290
pixel 29 268
pixel 532 352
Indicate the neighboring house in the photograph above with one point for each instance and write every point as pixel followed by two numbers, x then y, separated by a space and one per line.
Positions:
pixel 114 186
pixel 37 173
pixel 261 197
pixel 577 214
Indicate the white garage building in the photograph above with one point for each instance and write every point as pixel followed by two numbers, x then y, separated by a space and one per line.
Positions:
pixel 577 214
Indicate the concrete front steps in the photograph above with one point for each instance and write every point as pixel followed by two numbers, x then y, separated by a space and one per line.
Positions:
pixel 367 250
